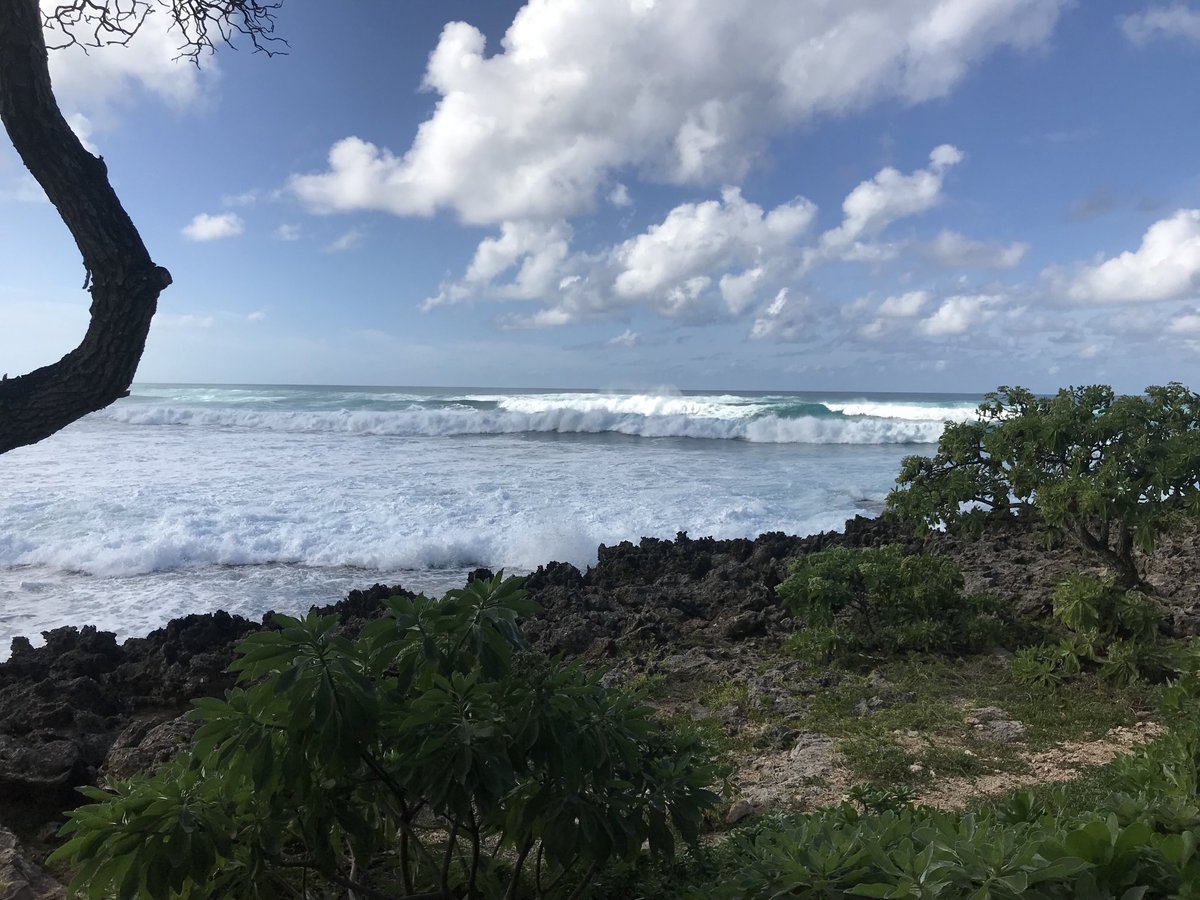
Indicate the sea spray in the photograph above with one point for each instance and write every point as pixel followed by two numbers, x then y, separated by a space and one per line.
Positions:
pixel 190 498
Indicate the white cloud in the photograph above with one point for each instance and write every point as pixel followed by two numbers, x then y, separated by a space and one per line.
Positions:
pixel 1186 324
pixel 954 250
pixel 583 88
pixel 346 241
pixel 256 316
pixel 1176 20
pixel 246 198
pixel 83 128
pixel 1165 267
pixel 628 338
pixel 874 329
pixel 535 251
pixel 205 227
pixel 904 305
pixel 889 313
pixel 700 255
pixel 960 313
pixel 739 290
pixel 619 196
pixel 24 189
pixel 539 249
pixel 783 319
pixel 287 232
pixel 889 196
pixel 101 76
pixel 697 238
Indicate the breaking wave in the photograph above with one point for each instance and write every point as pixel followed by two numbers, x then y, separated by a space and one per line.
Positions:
pixel 777 420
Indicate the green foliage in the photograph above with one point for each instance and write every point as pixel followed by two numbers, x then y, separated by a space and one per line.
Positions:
pixel 883 600
pixel 874 798
pixel 433 755
pixel 1037 667
pixel 1138 843
pixel 1021 850
pixel 1112 472
pixel 1113 629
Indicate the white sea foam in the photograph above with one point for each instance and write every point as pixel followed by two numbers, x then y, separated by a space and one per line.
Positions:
pixel 725 407
pixel 597 418
pixel 918 412
pixel 192 499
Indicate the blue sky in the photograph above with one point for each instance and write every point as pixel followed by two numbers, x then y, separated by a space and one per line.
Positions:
pixel 789 194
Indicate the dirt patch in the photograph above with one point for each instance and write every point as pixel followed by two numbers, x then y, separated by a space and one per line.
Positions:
pixel 1057 764
pixel 810 773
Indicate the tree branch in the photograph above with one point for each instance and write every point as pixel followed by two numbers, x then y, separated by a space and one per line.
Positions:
pixel 125 281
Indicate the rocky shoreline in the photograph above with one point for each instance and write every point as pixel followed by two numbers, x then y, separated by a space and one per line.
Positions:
pixel 83 706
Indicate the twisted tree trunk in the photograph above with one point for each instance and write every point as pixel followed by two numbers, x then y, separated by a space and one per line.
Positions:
pixel 125 282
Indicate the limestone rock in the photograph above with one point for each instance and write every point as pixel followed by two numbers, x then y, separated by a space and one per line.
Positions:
pixel 20 877
pixel 146 745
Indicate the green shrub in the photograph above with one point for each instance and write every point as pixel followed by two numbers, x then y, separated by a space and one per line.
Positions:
pixel 883 600
pixel 1140 842
pixel 1024 851
pixel 1110 472
pixel 431 756
pixel 1110 628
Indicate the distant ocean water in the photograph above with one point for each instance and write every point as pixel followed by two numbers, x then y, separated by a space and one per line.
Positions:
pixel 192 498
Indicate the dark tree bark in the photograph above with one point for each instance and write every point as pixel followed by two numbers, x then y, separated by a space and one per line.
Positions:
pixel 125 282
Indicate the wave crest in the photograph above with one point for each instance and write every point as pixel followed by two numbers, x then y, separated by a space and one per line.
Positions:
pixel 673 417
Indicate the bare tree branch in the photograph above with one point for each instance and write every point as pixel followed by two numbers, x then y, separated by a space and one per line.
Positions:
pixel 200 24
pixel 123 280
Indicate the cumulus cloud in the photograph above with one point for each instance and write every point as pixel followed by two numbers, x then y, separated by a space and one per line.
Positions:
pixel 957 251
pixel 904 305
pixel 534 252
pixel 700 256
pixel 960 313
pixel 1165 267
pixel 583 88
pixel 705 260
pixel 890 313
pixel 889 196
pixel 1186 324
pixel 287 232
pixel 1174 21
pixel 95 79
pixel 697 238
pixel 205 227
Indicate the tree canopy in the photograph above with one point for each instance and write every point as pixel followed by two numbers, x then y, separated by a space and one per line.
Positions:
pixel 1110 471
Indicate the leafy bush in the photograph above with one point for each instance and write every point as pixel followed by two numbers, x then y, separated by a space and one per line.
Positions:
pixel 883 600
pixel 1112 472
pixel 1140 842
pixel 432 756
pixel 1020 849
pixel 1116 630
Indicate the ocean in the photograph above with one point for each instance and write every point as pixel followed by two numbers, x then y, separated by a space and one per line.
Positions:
pixel 192 498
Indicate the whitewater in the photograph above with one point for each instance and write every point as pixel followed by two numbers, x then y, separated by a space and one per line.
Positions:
pixel 249 498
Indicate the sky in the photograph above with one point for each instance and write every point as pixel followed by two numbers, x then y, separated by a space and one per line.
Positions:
pixel 917 195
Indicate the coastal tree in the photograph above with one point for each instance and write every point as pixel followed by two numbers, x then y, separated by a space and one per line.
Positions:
pixel 1111 472
pixel 120 274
